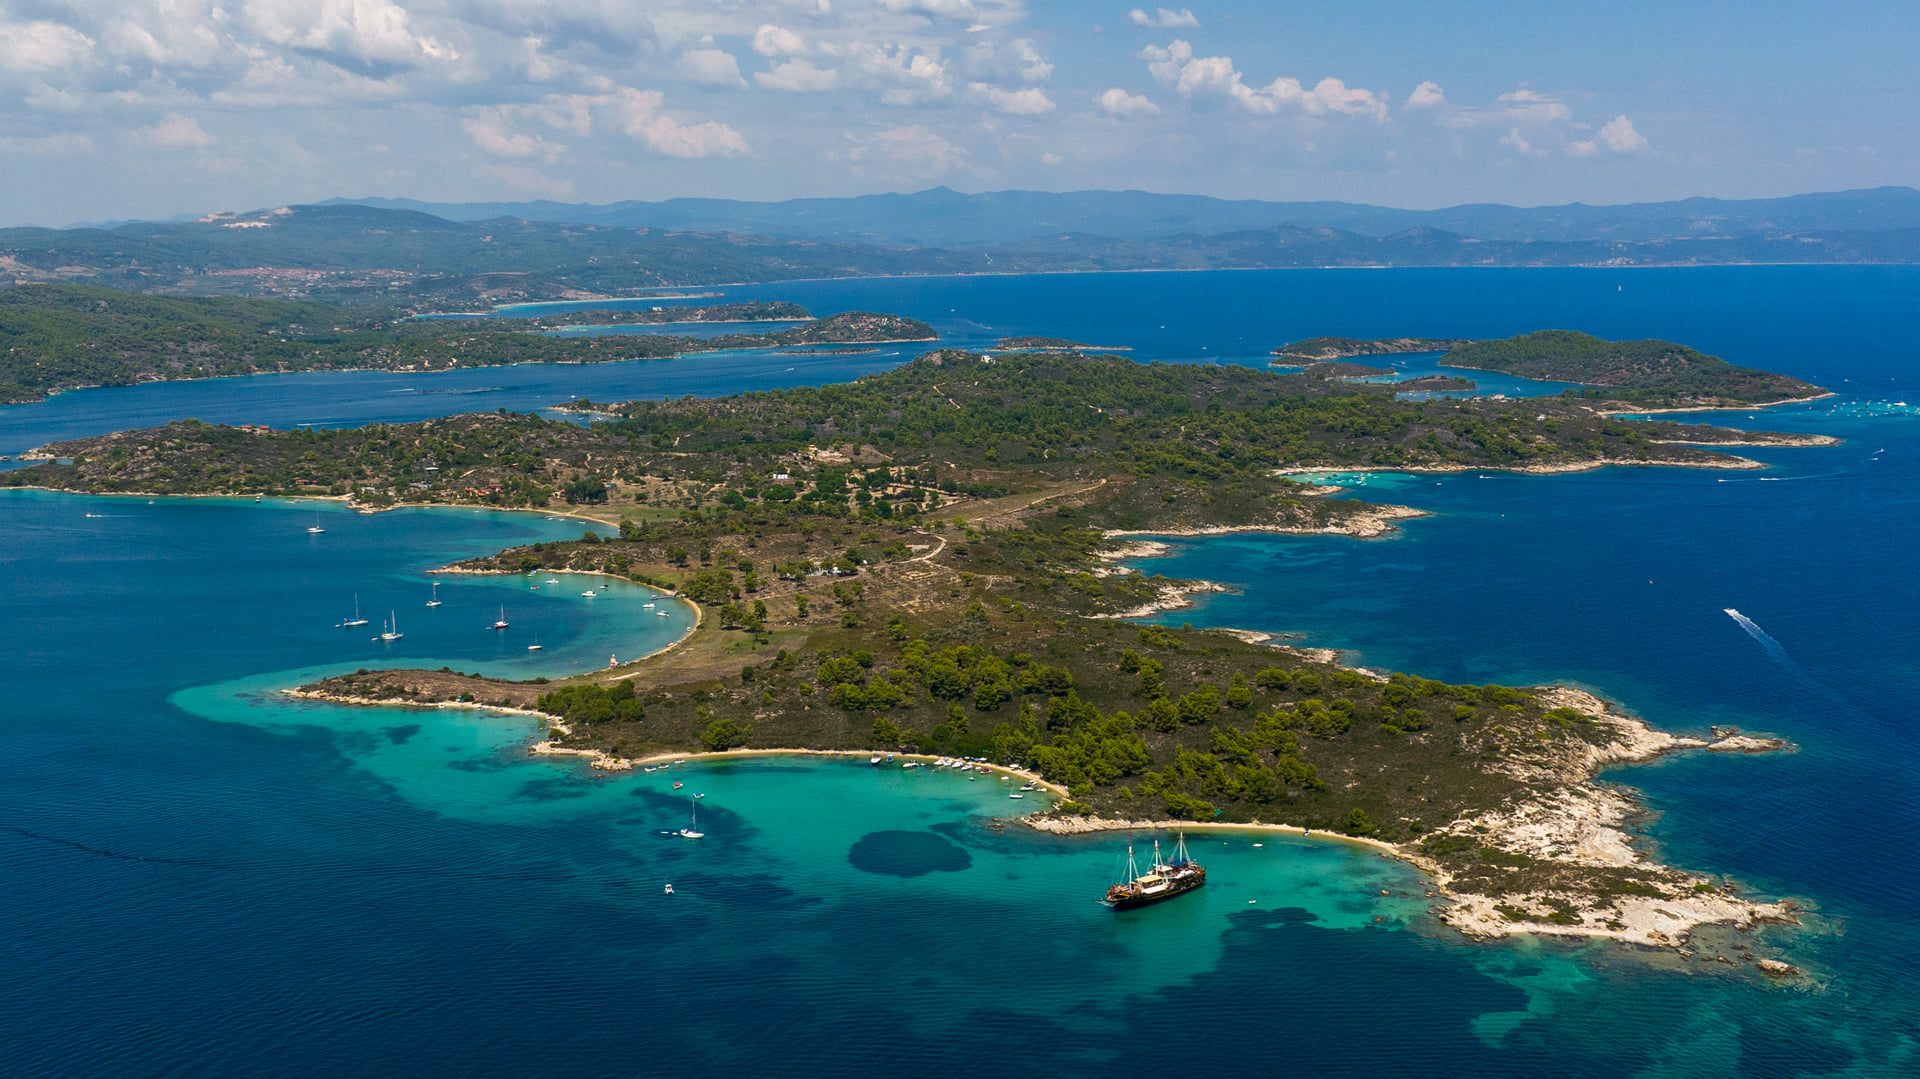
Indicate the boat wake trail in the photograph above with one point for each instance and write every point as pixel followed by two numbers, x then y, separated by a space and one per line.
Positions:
pixel 1778 652
pixel 1774 648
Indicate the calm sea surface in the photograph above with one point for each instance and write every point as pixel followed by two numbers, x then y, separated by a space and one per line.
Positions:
pixel 203 877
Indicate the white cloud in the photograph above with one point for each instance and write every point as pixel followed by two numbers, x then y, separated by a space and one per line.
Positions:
pixel 938 9
pixel 1427 95
pixel 1616 134
pixel 798 77
pixel 709 67
pixel 1165 18
pixel 489 129
pixel 176 132
pixel 1202 76
pixel 1518 143
pixel 771 40
pixel 354 30
pixel 1620 137
pixel 642 119
pixel 911 151
pixel 42 46
pixel 1031 101
pixel 1521 108
pixel 1118 102
pixel 903 76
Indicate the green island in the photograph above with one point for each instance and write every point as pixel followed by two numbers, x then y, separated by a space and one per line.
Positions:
pixel 1619 375
pixel 1345 348
pixel 1652 372
pixel 56 337
pixel 742 311
pixel 933 560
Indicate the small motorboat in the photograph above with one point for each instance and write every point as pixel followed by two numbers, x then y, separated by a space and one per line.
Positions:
pixel 1016 794
pixel 677 784
pixel 669 889
pixel 588 593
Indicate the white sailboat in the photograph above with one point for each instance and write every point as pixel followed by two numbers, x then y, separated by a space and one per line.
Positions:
pixel 692 830
pixel 535 646
pixel 501 622
pixel 390 630
pixel 314 529
pixel 356 620
pixel 435 601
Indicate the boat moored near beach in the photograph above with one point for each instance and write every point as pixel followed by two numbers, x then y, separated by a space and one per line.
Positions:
pixel 1162 880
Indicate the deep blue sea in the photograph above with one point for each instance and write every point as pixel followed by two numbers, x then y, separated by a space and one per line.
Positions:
pixel 203 877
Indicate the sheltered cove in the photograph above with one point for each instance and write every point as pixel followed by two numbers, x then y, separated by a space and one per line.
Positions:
pixel 1020 558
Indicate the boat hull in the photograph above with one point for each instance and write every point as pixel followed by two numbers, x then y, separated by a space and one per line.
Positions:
pixel 1174 888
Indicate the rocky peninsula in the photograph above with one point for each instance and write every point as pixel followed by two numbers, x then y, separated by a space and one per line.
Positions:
pixel 923 561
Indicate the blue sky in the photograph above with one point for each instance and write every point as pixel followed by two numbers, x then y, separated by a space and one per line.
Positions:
pixel 125 108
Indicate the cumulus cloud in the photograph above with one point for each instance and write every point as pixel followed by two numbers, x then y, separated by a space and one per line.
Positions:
pixel 1031 101
pixel 490 130
pixel 798 77
pixel 1165 18
pixel 42 46
pixel 1117 102
pixel 176 132
pixel 362 31
pixel 771 40
pixel 908 151
pixel 1204 76
pixel 709 67
pixel 1515 141
pixel 642 118
pixel 1427 95
pixel 1620 137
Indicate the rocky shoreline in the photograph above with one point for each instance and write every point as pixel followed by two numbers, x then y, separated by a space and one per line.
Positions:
pixel 1567 819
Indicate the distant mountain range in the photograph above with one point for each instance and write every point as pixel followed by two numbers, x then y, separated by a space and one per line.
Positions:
pixel 945 218
pixel 428 257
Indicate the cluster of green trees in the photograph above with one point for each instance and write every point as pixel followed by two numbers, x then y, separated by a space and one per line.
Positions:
pixel 55 336
pixel 1645 370
pixel 613 702
pixel 1191 442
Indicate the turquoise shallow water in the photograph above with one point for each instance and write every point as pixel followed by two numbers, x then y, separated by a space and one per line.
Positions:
pixel 204 877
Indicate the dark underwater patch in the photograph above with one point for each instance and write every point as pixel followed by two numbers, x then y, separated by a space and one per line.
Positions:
pixel 549 790
pixel 907 854
pixel 400 735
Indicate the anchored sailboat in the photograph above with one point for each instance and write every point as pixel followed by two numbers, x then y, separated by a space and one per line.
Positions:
pixel 691 831
pixel 435 601
pixel 1162 880
pixel 390 629
pixel 356 620
pixel 314 529
pixel 501 622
